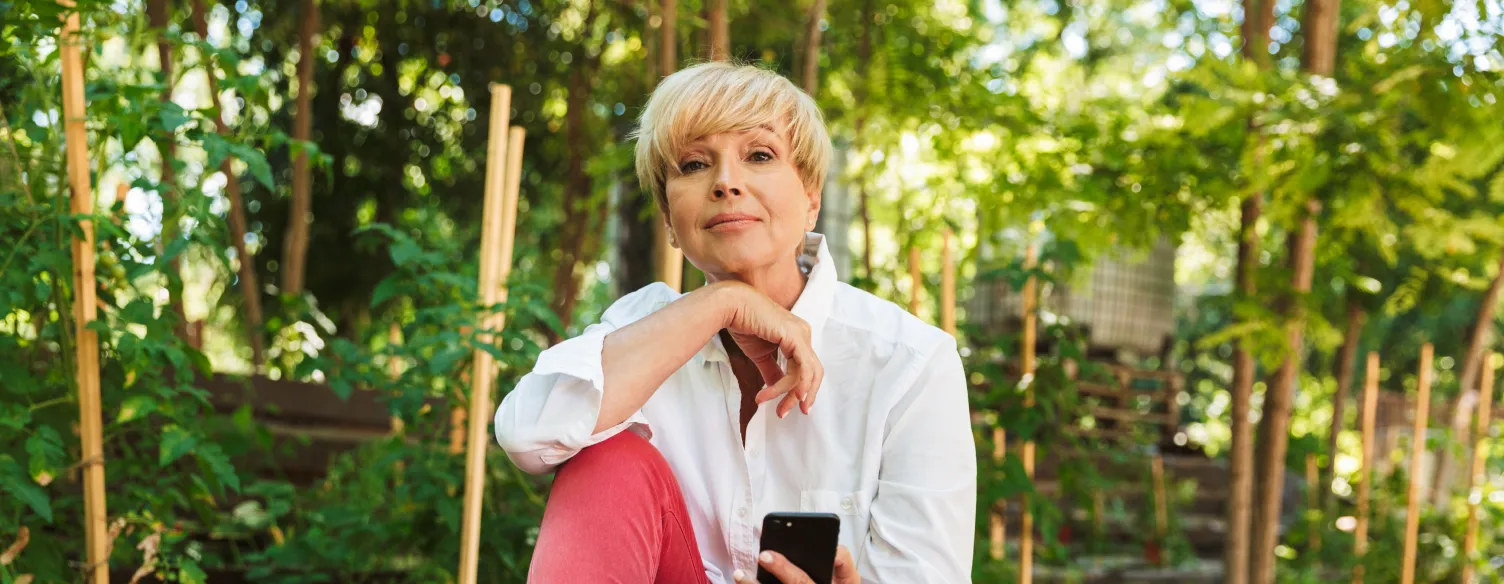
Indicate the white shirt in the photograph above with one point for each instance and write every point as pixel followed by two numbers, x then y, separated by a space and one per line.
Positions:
pixel 887 447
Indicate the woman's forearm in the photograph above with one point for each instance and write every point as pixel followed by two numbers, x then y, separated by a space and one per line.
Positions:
pixel 637 358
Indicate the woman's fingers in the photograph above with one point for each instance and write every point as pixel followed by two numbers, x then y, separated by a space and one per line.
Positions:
pixel 845 570
pixel 782 568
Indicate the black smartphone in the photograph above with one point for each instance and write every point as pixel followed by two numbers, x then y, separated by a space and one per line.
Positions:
pixel 806 539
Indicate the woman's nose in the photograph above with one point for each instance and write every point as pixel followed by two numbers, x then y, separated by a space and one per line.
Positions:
pixel 728 182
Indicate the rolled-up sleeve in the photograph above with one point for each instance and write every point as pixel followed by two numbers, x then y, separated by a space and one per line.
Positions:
pixel 924 512
pixel 550 415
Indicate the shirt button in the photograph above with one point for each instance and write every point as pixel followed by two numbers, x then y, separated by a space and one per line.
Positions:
pixel 741 512
pixel 846 503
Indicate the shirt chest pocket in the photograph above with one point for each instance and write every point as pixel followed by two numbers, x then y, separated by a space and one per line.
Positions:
pixel 852 507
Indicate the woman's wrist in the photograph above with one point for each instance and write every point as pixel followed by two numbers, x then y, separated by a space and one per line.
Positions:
pixel 725 299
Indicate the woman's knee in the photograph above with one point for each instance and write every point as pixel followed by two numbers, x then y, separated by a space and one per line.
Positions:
pixel 623 458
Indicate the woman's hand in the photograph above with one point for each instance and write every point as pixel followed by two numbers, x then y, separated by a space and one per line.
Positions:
pixel 761 328
pixel 787 573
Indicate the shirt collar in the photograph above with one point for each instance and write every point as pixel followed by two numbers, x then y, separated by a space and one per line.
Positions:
pixel 813 305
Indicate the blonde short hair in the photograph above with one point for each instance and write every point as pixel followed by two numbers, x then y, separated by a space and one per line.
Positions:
pixel 715 97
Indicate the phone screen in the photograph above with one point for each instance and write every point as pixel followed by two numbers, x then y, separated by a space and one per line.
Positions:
pixel 808 540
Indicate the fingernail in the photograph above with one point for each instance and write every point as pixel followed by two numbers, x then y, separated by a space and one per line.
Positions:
pixel 765 557
pixel 781 414
pixel 738 575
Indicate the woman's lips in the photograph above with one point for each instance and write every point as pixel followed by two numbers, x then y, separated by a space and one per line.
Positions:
pixel 727 222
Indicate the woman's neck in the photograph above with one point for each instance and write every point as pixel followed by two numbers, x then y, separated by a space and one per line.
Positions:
pixel 782 282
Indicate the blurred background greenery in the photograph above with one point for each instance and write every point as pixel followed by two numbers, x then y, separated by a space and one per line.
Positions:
pixel 1123 139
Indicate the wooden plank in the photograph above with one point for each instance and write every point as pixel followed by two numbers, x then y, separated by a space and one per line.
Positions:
pixel 1417 455
pixel 1476 478
pixel 947 287
pixel 1026 361
pixel 495 268
pixel 916 283
pixel 1125 415
pixel 1365 464
pixel 85 302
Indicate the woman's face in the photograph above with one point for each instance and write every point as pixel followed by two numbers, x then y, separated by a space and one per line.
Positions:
pixel 736 202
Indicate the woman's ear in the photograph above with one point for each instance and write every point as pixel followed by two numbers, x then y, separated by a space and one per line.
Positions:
pixel 668 227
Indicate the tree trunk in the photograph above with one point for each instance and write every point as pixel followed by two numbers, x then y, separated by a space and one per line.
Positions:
pixel 577 192
pixel 1258 17
pixel 864 56
pixel 158 12
pixel 720 30
pixel 295 241
pixel 246 271
pixel 1347 361
pixel 811 70
pixel 1472 363
pixel 670 261
pixel 1256 31
pixel 1320 26
pixel 1274 426
pixel 1240 499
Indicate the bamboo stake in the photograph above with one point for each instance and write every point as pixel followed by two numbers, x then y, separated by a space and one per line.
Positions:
pixel 1161 501
pixel 86 347
pixel 1365 466
pixel 1313 502
pixel 1476 478
pixel 394 370
pixel 997 531
pixel 1417 453
pixel 948 287
pixel 916 285
pixel 499 220
pixel 457 416
pixel 1026 544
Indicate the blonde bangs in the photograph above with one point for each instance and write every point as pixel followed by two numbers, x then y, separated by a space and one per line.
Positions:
pixel 712 98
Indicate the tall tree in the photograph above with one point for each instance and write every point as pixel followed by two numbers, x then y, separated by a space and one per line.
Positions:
pixel 670 261
pixel 720 30
pixel 1347 361
pixel 1472 363
pixel 1320 28
pixel 810 72
pixel 1258 16
pixel 158 12
pixel 246 268
pixel 580 217
pixel 295 241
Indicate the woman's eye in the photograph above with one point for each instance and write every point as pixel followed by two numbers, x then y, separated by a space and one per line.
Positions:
pixel 761 156
pixel 691 166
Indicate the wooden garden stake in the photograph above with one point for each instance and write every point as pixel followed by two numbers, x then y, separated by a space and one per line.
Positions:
pixel 1417 453
pixel 1026 545
pixel 394 369
pixel 997 531
pixel 916 284
pixel 1365 465
pixel 1476 479
pixel 1161 501
pixel 1313 501
pixel 86 347
pixel 499 218
pixel 947 287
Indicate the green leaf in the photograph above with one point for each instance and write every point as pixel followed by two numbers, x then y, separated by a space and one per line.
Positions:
pixel 172 117
pixel 172 251
pixel 135 407
pixel 387 288
pixel 219 465
pixel 176 442
pixel 14 416
pixel 256 163
pixel 45 449
pixel 15 482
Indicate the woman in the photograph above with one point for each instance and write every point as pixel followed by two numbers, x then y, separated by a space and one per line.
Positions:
pixel 680 420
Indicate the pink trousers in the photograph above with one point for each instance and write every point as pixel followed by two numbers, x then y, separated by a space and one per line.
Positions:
pixel 616 515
